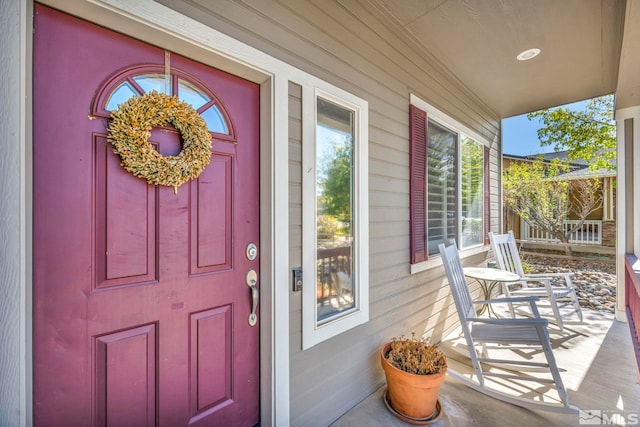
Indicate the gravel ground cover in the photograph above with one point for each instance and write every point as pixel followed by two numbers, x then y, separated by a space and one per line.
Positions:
pixel 594 280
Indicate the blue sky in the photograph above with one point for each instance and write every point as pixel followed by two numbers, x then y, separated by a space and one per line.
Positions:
pixel 520 137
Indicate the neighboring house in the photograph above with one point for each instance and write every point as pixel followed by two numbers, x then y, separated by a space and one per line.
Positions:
pixel 599 227
pixel 148 306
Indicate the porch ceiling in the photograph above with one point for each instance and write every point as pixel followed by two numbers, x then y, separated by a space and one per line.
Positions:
pixel 478 41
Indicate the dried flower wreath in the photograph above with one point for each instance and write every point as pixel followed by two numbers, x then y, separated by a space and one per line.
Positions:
pixel 130 130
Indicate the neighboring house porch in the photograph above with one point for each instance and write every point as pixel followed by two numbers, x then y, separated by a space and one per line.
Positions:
pixel 599 229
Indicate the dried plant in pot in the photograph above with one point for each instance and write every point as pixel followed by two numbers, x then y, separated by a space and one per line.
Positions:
pixel 414 371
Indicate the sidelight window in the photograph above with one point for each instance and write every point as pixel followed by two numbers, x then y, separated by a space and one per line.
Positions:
pixel 335 295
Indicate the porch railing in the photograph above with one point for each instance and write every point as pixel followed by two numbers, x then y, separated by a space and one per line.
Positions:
pixel 632 305
pixel 331 262
pixel 589 234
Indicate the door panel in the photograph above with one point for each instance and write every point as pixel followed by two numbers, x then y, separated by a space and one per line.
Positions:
pixel 126 377
pixel 212 357
pixel 126 239
pixel 210 225
pixel 140 296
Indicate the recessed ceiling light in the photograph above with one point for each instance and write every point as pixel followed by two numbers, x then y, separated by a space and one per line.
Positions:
pixel 528 54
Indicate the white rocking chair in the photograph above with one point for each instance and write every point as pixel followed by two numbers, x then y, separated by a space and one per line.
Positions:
pixel 500 335
pixel 560 297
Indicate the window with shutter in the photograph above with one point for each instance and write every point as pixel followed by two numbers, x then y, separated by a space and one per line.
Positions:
pixel 449 183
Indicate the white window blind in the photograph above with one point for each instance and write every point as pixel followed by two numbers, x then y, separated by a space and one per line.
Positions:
pixel 442 221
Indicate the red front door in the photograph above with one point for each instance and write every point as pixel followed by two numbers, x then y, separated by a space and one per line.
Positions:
pixel 141 304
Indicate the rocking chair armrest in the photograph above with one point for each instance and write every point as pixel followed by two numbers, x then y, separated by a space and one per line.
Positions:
pixel 546 275
pixel 508 300
pixel 547 279
pixel 510 322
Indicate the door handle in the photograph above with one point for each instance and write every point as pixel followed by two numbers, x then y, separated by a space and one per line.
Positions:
pixel 252 281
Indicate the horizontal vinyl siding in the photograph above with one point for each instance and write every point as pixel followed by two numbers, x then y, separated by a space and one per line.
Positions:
pixel 295 210
pixel 344 43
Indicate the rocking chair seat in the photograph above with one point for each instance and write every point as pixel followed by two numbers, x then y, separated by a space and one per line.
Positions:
pixel 518 333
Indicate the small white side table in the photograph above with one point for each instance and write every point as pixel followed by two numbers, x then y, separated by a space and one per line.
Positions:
pixel 489 278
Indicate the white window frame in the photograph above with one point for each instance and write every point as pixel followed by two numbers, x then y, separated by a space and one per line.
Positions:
pixel 314 332
pixel 449 123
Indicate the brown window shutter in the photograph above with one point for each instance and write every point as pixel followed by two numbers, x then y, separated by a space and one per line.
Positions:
pixel 418 183
pixel 487 197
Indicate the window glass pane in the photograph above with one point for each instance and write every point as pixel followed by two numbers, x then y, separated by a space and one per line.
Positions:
pixel 472 192
pixel 334 220
pixel 158 82
pixel 120 95
pixel 191 95
pixel 442 221
pixel 215 120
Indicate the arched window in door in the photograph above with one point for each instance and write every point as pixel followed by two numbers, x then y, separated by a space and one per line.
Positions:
pixel 139 80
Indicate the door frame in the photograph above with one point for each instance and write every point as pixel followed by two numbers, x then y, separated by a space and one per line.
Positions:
pixel 156 24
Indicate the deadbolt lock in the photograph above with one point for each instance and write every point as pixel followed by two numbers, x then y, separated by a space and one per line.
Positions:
pixel 252 251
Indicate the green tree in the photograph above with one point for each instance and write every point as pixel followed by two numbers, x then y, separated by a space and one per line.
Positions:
pixel 536 192
pixel 335 185
pixel 588 135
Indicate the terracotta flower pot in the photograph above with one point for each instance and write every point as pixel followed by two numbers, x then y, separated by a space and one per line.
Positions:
pixel 414 396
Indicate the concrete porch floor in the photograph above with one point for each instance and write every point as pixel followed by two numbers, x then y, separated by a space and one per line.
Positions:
pixel 600 375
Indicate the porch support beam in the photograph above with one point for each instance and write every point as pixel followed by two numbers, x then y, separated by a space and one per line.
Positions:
pixel 628 223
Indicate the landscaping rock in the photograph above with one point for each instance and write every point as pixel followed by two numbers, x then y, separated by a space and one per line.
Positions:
pixel 594 279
